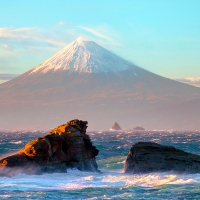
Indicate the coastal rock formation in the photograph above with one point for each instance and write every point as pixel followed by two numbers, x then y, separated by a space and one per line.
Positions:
pixel 66 146
pixel 146 157
pixel 116 127
pixel 138 128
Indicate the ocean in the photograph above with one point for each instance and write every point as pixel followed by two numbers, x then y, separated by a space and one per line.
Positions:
pixel 112 183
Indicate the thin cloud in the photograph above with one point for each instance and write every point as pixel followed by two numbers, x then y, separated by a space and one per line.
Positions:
pixel 61 24
pixel 6 33
pixel 14 33
pixel 34 36
pixel 95 32
pixel 8 76
pixel 6 47
pixel 104 34
pixel 34 43
pixel 195 81
pixel 24 34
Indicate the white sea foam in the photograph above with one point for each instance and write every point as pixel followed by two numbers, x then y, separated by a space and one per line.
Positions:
pixel 75 179
pixel 15 142
pixel 112 183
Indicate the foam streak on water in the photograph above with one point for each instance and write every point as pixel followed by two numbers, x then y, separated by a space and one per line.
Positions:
pixel 77 182
pixel 112 183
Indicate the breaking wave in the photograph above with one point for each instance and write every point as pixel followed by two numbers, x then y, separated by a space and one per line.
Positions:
pixel 112 183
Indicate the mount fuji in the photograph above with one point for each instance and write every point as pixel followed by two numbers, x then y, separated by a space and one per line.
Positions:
pixel 86 81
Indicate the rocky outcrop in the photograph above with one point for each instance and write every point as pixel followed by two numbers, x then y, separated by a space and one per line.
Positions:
pixel 138 128
pixel 116 127
pixel 145 157
pixel 66 146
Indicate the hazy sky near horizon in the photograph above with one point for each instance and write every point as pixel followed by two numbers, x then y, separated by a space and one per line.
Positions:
pixel 162 36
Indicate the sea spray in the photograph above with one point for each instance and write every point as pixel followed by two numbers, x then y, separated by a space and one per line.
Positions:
pixel 112 183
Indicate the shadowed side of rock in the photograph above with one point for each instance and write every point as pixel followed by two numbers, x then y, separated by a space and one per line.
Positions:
pixel 146 157
pixel 66 146
pixel 116 127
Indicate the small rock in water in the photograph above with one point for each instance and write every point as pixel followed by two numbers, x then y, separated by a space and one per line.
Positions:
pixel 138 128
pixel 146 157
pixel 66 146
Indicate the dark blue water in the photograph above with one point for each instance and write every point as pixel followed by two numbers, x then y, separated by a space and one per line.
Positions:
pixel 112 183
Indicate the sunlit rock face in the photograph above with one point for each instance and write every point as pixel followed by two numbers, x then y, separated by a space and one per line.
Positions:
pixel 66 146
pixel 146 157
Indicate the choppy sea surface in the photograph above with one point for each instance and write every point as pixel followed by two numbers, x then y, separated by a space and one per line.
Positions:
pixel 112 183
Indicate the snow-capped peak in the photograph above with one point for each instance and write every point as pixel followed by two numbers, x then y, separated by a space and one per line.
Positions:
pixel 83 57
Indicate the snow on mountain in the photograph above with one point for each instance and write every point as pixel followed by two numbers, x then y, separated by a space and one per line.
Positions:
pixel 85 57
pixel 89 82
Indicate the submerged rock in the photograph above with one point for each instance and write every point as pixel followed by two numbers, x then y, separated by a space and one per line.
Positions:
pixel 66 146
pixel 145 157
pixel 116 127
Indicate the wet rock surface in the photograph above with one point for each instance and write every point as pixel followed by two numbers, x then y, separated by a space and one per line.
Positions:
pixel 146 157
pixel 66 146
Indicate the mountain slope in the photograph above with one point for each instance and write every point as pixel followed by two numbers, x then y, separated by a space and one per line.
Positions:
pixel 85 57
pixel 87 81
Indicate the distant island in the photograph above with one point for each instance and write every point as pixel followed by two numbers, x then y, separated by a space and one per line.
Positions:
pixel 116 127
pixel 138 128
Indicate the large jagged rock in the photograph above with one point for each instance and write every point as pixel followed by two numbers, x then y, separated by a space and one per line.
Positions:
pixel 66 146
pixel 145 157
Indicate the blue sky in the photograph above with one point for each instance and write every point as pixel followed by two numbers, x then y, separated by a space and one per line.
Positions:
pixel 162 36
